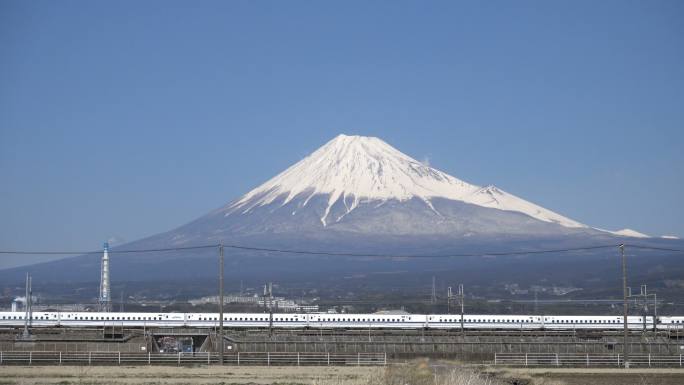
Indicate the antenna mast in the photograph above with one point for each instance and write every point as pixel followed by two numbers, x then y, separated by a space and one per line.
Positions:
pixel 105 291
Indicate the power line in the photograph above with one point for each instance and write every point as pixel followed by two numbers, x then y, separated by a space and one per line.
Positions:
pixel 652 248
pixel 372 255
pixel 343 254
pixel 22 252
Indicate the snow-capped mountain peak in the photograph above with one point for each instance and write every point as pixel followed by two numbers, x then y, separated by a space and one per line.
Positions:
pixel 359 169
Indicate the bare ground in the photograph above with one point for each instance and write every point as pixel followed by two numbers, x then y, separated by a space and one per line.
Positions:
pixel 164 375
pixel 612 376
pixel 418 372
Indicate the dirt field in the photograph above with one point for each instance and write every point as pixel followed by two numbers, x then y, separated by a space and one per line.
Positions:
pixel 589 376
pixel 419 372
pixel 164 375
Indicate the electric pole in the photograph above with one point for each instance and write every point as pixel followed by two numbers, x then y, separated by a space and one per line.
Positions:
pixel 29 312
pixel 625 305
pixel 462 294
pixel 270 309
pixel 221 303
pixel 434 291
pixel 449 300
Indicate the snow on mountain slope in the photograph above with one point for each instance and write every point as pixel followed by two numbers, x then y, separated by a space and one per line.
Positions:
pixel 492 196
pixel 361 169
pixel 627 233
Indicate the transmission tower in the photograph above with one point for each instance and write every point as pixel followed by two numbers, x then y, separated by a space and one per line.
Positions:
pixel 105 291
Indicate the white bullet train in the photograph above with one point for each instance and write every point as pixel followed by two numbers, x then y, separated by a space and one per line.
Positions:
pixel 342 321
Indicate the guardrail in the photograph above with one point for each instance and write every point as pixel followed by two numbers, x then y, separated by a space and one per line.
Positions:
pixel 180 359
pixel 586 360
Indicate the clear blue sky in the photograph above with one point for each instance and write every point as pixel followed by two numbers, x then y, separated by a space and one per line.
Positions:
pixel 130 118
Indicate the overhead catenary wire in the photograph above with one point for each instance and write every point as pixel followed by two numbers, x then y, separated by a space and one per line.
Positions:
pixel 23 252
pixel 344 254
pixel 310 252
pixel 374 255
pixel 652 248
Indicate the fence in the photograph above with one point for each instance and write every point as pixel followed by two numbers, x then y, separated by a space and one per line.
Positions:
pixel 241 358
pixel 596 360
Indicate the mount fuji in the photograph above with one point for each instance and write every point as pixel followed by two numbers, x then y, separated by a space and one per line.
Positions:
pixel 354 194
pixel 361 187
pixel 357 170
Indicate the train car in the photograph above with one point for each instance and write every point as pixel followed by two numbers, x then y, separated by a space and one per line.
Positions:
pixel 503 322
pixel 596 322
pixel 84 319
pixel 365 321
pixel 39 319
pixel 670 323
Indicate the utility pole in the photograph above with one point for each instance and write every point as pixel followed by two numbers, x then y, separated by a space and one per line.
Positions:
pixel 263 298
pixel 221 303
pixel 643 294
pixel 462 294
pixel 434 291
pixel 624 305
pixel 270 309
pixel 644 311
pixel 29 312
pixel 449 300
